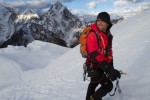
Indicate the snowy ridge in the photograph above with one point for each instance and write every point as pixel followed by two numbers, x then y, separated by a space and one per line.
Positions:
pixel 62 78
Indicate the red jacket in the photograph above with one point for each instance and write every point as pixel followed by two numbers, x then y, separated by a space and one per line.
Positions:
pixel 98 53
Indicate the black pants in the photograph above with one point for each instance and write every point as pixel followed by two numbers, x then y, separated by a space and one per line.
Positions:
pixel 106 86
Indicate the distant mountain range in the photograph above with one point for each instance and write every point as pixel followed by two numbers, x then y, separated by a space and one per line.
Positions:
pixel 85 18
pixel 58 25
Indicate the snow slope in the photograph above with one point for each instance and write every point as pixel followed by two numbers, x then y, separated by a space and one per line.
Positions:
pixel 61 78
pixel 131 53
pixel 17 59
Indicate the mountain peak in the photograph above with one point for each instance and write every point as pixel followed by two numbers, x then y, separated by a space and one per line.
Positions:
pixel 29 11
pixel 57 3
pixel 58 6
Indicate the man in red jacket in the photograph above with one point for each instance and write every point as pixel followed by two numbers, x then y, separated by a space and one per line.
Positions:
pixel 100 60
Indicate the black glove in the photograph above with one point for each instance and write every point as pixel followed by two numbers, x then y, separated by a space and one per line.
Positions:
pixel 111 73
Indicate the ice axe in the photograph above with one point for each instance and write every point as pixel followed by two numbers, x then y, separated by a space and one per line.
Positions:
pixel 123 73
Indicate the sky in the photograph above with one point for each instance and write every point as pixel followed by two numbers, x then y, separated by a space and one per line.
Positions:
pixel 92 7
pixel 45 71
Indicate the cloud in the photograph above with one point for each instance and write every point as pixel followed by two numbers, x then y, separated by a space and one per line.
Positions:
pixel 124 12
pixel 130 11
pixel 127 2
pixel 121 3
pixel 32 4
pixel 102 1
pixel 122 7
pixel 94 4
pixel 128 8
pixel 91 4
pixel 135 1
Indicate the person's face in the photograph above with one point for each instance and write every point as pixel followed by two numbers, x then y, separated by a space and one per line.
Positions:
pixel 101 25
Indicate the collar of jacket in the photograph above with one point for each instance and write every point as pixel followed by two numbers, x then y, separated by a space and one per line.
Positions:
pixel 94 27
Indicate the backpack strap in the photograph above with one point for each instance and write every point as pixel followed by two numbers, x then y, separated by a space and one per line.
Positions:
pixel 101 39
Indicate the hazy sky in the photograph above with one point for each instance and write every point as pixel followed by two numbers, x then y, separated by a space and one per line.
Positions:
pixel 121 7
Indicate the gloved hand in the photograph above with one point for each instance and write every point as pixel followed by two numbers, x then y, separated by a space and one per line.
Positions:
pixel 111 73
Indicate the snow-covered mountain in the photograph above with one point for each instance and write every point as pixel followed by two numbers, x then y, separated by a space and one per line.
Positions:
pixel 57 25
pixel 59 20
pixel 7 17
pixel 44 71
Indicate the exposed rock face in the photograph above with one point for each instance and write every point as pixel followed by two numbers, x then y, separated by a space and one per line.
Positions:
pixel 7 17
